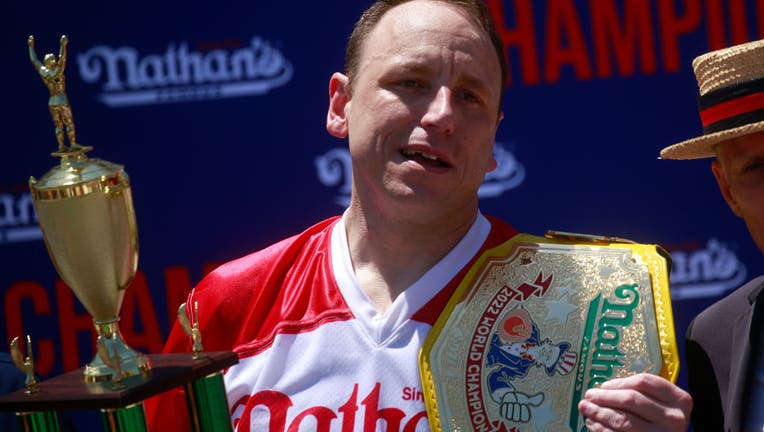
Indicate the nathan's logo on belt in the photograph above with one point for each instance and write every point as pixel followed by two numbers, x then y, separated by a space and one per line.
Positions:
pixel 535 323
pixel 611 318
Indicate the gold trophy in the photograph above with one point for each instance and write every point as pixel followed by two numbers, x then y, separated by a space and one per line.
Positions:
pixel 85 210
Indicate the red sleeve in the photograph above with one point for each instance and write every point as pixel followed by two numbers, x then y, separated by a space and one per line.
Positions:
pixel 167 411
pixel 235 300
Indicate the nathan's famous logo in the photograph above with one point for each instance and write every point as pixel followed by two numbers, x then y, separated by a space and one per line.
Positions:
pixel 180 74
pixel 18 220
pixel 606 334
pixel 710 271
pixel 601 340
pixel 334 169
pixel 360 409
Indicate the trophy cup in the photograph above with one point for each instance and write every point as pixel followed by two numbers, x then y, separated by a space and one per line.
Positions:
pixel 85 210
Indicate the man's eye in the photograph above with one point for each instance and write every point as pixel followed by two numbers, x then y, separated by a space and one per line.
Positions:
pixel 471 97
pixel 409 83
pixel 755 167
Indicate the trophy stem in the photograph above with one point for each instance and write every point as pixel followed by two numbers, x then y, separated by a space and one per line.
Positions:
pixel 74 160
pixel 40 421
pixel 129 361
pixel 207 404
pixel 129 419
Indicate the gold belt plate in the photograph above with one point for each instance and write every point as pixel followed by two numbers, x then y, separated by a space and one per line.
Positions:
pixel 536 322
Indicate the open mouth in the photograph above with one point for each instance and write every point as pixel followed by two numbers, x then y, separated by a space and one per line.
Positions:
pixel 423 158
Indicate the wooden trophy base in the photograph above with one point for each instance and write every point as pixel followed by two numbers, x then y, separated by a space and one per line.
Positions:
pixel 70 391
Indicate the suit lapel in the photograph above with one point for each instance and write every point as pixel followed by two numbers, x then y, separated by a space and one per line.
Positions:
pixel 742 337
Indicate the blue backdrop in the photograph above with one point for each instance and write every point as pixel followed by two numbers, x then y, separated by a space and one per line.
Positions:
pixel 217 112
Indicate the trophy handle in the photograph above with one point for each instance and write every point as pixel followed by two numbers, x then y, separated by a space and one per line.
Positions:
pixel 25 364
pixel 192 330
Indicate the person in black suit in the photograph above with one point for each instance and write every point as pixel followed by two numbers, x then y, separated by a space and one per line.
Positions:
pixel 11 379
pixel 724 347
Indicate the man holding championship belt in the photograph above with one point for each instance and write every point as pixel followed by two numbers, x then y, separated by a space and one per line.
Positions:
pixel 328 324
pixel 725 349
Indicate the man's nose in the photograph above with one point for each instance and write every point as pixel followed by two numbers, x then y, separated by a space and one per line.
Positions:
pixel 440 111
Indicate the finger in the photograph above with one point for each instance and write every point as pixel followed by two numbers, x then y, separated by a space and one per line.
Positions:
pixel 507 410
pixel 651 385
pixel 516 413
pixel 666 395
pixel 525 413
pixel 592 426
pixel 634 404
pixel 603 418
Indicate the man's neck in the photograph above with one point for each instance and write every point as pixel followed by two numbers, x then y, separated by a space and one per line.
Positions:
pixel 390 254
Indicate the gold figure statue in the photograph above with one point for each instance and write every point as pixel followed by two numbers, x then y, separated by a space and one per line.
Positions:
pixel 192 330
pixel 25 364
pixel 51 71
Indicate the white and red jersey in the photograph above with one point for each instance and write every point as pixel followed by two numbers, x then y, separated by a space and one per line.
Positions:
pixel 314 354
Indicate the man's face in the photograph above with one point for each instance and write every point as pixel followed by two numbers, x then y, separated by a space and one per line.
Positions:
pixel 422 112
pixel 739 170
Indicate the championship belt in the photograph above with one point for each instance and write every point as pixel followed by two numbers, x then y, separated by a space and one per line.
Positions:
pixel 538 321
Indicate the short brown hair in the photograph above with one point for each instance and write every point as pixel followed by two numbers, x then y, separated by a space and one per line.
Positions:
pixel 476 10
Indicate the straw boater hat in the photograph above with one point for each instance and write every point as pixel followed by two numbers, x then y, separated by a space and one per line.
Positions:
pixel 731 101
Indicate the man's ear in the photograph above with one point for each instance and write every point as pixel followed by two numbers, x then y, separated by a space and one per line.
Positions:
pixel 492 162
pixel 339 100
pixel 724 187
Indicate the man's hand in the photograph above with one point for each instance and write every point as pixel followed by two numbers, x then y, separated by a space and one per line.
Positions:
pixel 642 402
pixel 515 406
pixel 30 41
pixel 64 40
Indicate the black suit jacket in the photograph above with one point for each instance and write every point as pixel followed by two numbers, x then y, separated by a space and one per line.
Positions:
pixel 719 346
pixel 11 379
